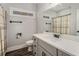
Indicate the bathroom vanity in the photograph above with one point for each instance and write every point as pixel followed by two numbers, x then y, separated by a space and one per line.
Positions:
pixel 45 44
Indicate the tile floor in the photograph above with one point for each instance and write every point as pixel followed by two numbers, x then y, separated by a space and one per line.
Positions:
pixel 20 52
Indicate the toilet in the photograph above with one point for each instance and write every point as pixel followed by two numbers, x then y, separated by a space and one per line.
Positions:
pixel 29 44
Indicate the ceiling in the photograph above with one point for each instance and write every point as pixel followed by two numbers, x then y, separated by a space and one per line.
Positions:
pixel 25 6
pixel 56 8
pixel 63 6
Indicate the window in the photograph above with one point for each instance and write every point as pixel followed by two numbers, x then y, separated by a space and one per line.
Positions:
pixel 61 24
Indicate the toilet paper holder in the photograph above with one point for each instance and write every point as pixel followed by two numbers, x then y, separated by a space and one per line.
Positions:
pixel 18 35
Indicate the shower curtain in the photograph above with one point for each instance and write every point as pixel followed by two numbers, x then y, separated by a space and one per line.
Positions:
pixel 61 24
pixel 2 26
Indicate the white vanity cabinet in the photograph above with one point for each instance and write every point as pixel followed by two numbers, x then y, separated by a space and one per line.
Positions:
pixel 41 48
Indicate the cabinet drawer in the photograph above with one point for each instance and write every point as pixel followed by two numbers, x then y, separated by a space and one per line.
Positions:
pixel 49 48
pixel 34 39
pixel 35 49
pixel 34 45
pixel 35 52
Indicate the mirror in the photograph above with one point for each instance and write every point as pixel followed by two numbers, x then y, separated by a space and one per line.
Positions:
pixel 62 18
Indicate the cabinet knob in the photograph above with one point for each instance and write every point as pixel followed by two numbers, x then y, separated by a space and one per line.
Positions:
pixel 34 39
pixel 43 54
pixel 34 53
pixel 34 45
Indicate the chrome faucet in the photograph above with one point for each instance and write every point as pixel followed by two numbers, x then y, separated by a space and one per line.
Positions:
pixel 57 35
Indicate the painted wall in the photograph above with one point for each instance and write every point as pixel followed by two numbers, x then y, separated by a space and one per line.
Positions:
pixel 42 27
pixel 27 28
pixel 42 11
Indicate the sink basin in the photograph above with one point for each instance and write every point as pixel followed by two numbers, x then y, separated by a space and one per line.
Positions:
pixel 52 37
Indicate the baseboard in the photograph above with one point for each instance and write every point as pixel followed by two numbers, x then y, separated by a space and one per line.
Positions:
pixel 15 47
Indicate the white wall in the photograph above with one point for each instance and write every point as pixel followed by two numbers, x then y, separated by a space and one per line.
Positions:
pixel 42 11
pixel 42 27
pixel 27 28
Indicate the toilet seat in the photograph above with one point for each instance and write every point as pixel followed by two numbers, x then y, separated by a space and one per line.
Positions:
pixel 29 42
pixel 29 45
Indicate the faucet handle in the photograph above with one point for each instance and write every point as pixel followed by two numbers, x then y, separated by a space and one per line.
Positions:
pixel 56 35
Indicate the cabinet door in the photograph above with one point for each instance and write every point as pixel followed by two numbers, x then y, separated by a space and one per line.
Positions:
pixel 39 51
pixel 49 48
pixel 60 53
pixel 45 53
pixel 42 52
